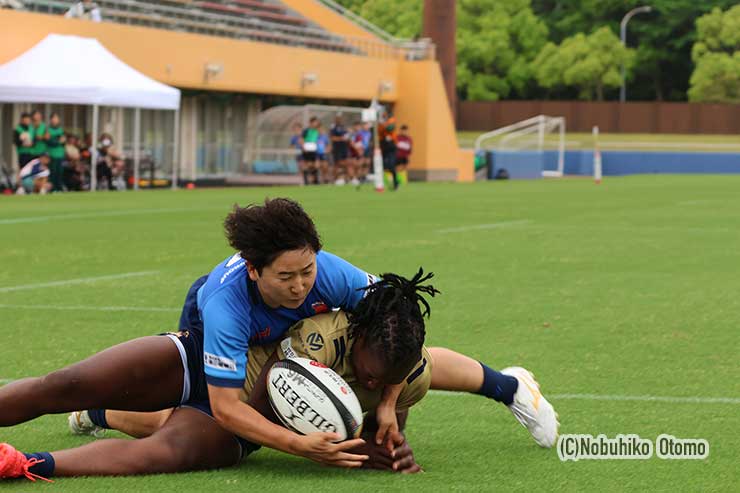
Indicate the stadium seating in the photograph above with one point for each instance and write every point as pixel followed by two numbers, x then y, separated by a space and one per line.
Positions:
pixel 257 20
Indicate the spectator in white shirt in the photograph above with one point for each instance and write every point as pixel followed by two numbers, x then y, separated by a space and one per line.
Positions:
pixel 86 9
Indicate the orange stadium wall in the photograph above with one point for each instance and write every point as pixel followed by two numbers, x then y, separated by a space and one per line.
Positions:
pixel 422 105
pixel 179 59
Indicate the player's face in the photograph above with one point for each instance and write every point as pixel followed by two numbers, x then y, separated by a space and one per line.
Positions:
pixel 371 371
pixel 288 279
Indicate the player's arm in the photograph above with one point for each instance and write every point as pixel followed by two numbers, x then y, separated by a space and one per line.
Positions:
pixel 225 361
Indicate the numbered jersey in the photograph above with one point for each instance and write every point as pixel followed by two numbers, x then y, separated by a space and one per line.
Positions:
pixel 327 338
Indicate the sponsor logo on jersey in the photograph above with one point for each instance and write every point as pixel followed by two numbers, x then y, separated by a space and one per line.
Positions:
pixel 288 349
pixel 316 363
pixel 319 307
pixel 262 334
pixel 315 341
pixel 218 362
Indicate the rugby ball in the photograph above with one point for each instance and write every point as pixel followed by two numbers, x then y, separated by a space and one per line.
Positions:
pixel 308 396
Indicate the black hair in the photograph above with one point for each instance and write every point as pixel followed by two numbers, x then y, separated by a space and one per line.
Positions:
pixel 390 318
pixel 37 111
pixel 25 114
pixel 262 232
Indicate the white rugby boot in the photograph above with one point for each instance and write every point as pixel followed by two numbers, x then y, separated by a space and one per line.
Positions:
pixel 80 424
pixel 531 408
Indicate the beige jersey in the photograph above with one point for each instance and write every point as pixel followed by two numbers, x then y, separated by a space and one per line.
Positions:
pixel 327 338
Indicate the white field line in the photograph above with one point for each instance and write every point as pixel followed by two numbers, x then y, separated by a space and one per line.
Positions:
pixel 475 227
pixel 83 215
pixel 637 398
pixel 95 308
pixel 83 280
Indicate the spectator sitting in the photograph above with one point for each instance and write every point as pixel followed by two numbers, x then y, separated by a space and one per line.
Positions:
pixel 86 9
pixel 11 4
pixel 23 140
pixel 34 175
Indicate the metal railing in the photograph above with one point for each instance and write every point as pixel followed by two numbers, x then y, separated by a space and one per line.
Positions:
pixel 421 49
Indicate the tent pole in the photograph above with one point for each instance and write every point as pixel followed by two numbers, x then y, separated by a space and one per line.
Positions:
pixel 176 150
pixel 94 152
pixel 2 154
pixel 137 146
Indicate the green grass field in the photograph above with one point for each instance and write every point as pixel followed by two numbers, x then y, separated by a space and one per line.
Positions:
pixel 625 289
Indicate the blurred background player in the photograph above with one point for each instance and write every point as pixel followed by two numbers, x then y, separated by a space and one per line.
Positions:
pixel 387 135
pixel 40 135
pixel 309 148
pixel 324 147
pixel 55 145
pixel 339 136
pixel 404 147
pixel 23 140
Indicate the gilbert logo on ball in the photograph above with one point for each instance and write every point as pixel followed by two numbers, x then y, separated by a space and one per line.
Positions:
pixel 309 397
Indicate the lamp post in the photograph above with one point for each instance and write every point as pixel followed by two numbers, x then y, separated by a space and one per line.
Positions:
pixel 623 36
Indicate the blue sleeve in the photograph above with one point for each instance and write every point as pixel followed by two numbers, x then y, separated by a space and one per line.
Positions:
pixel 341 282
pixel 226 340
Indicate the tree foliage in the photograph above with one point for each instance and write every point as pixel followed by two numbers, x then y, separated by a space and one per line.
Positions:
pixel 589 63
pixel 716 54
pixel 497 40
pixel 662 38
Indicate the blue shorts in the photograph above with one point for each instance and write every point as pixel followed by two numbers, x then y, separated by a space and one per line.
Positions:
pixel 189 342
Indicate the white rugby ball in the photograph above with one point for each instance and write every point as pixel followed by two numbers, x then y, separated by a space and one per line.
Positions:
pixel 308 397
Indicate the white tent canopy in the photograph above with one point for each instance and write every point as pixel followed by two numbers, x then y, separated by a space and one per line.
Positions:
pixel 75 70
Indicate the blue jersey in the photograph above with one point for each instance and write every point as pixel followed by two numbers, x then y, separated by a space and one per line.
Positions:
pixel 234 315
pixel 322 143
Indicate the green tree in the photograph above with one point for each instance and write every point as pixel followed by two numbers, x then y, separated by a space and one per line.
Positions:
pixel 589 63
pixel 496 41
pixel 663 38
pixel 401 18
pixel 716 54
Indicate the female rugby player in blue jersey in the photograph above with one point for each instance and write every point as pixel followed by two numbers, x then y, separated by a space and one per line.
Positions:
pixel 384 338
pixel 280 276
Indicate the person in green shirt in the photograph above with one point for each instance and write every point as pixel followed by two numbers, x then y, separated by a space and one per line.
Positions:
pixel 40 134
pixel 55 148
pixel 23 140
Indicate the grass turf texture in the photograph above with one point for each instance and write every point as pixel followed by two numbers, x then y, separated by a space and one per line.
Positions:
pixel 628 288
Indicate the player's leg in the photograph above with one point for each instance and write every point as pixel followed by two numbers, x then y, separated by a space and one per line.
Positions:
pixel 190 440
pixel 145 374
pixel 132 423
pixel 515 387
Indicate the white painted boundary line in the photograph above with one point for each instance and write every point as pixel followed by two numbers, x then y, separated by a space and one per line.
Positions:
pixel 83 280
pixel 475 227
pixel 638 398
pixel 84 215
pixel 95 308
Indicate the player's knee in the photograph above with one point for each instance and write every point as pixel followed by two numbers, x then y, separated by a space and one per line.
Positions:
pixel 61 385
